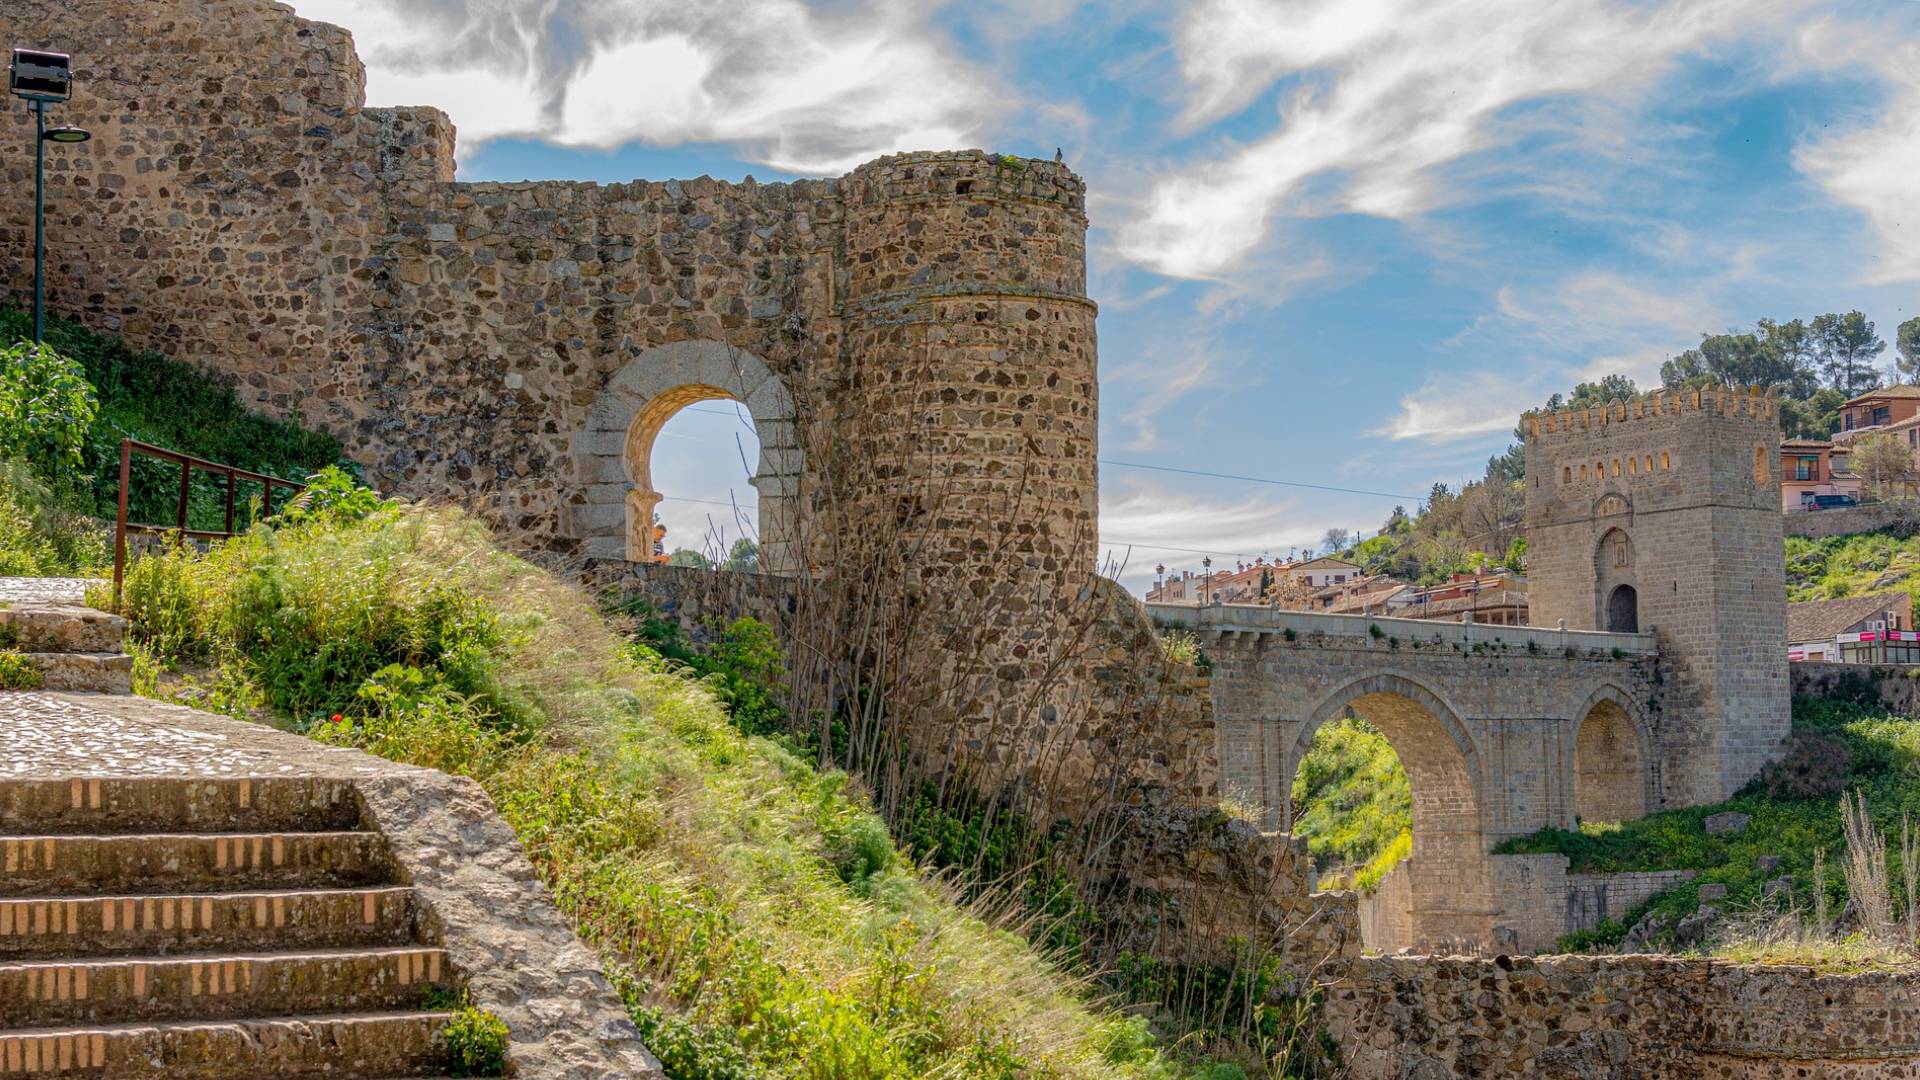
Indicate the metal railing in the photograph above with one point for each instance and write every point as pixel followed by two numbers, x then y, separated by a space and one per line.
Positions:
pixel 122 527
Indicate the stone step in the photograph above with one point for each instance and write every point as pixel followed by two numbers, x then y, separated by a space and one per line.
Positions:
pixel 89 672
pixel 61 628
pixel 220 986
pixel 190 863
pixel 105 805
pixel 364 1046
pixel 49 928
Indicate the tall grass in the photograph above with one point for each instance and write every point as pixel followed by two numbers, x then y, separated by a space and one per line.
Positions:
pixel 751 907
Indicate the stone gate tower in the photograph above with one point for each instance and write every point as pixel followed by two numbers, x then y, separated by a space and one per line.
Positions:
pixel 1662 515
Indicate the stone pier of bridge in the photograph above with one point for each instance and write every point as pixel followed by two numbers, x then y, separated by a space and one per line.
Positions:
pixel 1502 731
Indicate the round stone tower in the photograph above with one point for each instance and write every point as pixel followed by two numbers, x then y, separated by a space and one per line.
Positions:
pixel 967 413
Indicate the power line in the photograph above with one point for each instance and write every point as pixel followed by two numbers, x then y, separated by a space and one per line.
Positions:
pixel 1183 472
pixel 1259 480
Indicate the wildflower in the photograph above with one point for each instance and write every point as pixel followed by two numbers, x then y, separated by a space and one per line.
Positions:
pixel 338 719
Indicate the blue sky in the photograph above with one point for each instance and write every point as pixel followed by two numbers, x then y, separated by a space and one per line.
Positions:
pixel 1335 242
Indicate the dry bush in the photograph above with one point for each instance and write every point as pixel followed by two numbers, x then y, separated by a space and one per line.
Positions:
pixel 1816 766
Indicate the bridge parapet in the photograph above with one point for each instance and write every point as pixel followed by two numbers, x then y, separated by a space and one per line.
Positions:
pixel 1260 619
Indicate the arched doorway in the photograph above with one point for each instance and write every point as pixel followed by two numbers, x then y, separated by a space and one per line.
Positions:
pixel 1623 610
pixel 614 511
pixel 1441 893
pixel 1615 596
pixel 702 462
pixel 1609 768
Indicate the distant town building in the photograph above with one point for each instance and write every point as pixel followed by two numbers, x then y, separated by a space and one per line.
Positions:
pixel 1873 629
pixel 1877 409
pixel 1246 583
pixel 1322 572
pixel 1497 598
pixel 1810 468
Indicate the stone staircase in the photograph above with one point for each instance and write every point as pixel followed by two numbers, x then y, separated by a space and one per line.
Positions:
pixel 209 929
pixel 74 647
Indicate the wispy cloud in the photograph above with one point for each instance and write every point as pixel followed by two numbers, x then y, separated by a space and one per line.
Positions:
pixel 1874 166
pixel 1377 96
pixel 811 89
pixel 1615 325
pixel 1145 523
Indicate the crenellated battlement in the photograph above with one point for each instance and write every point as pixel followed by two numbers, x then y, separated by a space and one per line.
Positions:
pixel 1660 404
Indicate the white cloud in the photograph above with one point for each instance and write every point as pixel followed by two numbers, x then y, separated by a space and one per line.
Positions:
pixel 1622 328
pixel 1379 95
pixel 1874 167
pixel 1144 524
pixel 801 88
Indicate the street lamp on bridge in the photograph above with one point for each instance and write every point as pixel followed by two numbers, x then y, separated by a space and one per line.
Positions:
pixel 42 77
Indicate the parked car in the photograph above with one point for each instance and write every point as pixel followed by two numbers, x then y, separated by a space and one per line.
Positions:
pixel 1832 502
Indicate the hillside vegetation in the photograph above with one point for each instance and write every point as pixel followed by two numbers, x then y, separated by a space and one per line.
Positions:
pixel 753 910
pixel 1353 804
pixel 1787 865
pixel 1842 566
pixel 63 412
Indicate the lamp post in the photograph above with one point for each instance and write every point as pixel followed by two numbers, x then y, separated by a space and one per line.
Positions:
pixel 41 77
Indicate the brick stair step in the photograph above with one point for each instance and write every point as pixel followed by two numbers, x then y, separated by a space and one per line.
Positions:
pixel 364 1046
pixel 215 986
pixel 102 805
pixel 190 862
pixel 83 672
pixel 61 628
pixel 45 928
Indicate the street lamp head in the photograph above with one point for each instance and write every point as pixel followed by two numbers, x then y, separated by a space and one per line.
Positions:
pixel 39 75
pixel 68 135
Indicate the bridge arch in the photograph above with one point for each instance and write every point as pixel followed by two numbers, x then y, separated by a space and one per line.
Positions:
pixel 1443 892
pixel 612 452
pixel 1610 758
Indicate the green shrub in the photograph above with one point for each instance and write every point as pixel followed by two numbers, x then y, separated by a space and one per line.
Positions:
pixel 46 407
pixel 689 1051
pixel 16 673
pixel 170 403
pixel 476 1042
pixel 1354 800
pixel 39 535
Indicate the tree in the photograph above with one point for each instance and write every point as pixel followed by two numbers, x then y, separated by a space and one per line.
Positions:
pixel 1818 417
pixel 689 557
pixel 1846 346
pixel 1335 541
pixel 1906 339
pixel 1778 357
pixel 1884 463
pixel 743 557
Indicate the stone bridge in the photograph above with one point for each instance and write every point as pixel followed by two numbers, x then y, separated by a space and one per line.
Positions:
pixel 1502 730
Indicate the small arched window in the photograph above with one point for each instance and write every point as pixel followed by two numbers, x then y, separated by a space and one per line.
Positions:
pixel 1649 462
pixel 1760 464
pixel 1616 466
pixel 1633 466
pixel 1566 475
pixel 1583 472
pixel 1665 462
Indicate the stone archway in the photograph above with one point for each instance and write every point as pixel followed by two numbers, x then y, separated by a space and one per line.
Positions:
pixel 612 452
pixel 1443 892
pixel 1616 591
pixel 1611 781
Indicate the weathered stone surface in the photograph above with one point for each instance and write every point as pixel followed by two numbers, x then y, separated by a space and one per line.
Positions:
pixel 122 760
pixel 1668 1017
pixel 1727 823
